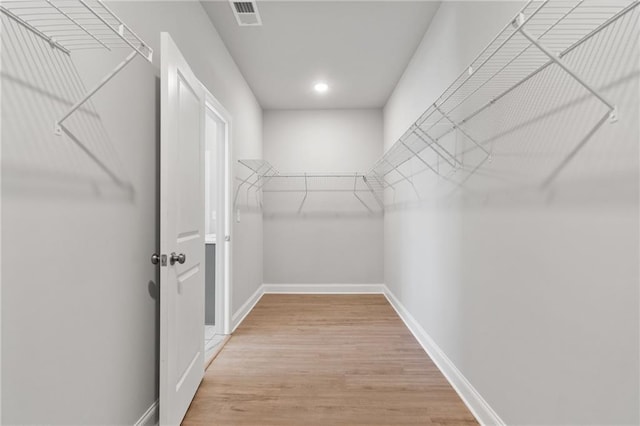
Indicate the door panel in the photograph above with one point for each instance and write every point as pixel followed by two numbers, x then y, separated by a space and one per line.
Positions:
pixel 181 232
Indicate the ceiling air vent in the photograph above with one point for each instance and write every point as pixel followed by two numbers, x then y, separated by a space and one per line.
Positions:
pixel 246 13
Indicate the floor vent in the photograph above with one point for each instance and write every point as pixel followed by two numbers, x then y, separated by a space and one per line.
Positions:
pixel 246 13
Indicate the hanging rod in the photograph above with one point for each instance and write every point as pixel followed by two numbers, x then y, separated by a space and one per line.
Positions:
pixel 539 36
pixel 356 183
pixel 69 25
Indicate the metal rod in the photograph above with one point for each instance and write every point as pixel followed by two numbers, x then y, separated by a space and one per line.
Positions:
pixel 385 182
pixel 556 59
pixel 104 81
pixel 260 176
pixel 373 192
pixel 33 29
pixel 404 177
pixel 430 145
pixel 265 181
pixel 316 175
pixel 457 126
pixel 78 24
pixel 235 200
pixel 415 154
pixel 315 190
pixel 355 194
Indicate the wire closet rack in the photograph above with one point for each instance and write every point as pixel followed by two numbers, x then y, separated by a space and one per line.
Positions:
pixel 539 36
pixel 69 25
pixel 261 173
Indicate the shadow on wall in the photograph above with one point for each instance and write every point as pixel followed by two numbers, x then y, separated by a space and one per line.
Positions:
pixel 549 139
pixel 39 85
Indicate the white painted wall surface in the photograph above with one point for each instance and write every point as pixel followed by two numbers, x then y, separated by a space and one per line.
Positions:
pixel 79 305
pixel 334 238
pixel 533 294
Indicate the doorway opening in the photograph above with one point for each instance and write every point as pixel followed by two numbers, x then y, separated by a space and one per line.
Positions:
pixel 217 158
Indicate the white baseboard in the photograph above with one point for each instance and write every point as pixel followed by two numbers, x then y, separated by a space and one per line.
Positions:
pixel 325 288
pixel 469 395
pixel 244 310
pixel 150 417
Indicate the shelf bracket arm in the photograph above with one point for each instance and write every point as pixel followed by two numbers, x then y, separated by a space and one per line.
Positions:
pixel 415 154
pixel 464 132
pixel 58 125
pixel 395 168
pixel 422 134
pixel 405 177
pixel 260 176
pixel 373 192
pixel 235 200
pixel 355 193
pixel 518 24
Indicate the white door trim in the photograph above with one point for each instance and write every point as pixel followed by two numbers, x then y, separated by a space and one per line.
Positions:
pixel 224 228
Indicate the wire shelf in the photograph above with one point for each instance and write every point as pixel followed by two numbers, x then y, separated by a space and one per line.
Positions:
pixel 70 25
pixel 265 178
pixel 538 37
pixel 75 25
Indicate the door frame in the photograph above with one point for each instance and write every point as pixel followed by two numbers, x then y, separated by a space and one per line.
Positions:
pixel 224 228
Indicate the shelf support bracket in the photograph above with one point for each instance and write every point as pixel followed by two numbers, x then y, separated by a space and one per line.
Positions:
pixel 373 192
pixel 355 193
pixel 403 176
pixel 457 126
pixel 74 108
pixel 395 168
pixel 235 200
pixel 518 24
pixel 259 177
pixel 415 154
pixel 422 134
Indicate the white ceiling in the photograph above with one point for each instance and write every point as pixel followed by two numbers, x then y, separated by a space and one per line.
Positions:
pixel 360 48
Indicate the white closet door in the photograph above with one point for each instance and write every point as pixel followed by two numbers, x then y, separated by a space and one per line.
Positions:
pixel 181 234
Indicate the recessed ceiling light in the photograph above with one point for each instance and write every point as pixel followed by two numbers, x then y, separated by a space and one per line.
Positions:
pixel 321 87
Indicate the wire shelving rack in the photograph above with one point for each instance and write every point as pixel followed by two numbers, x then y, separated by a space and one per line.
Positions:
pixel 262 172
pixel 539 36
pixel 70 25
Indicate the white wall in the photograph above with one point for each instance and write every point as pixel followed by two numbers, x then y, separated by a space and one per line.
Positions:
pixel 532 293
pixel 79 305
pixel 334 238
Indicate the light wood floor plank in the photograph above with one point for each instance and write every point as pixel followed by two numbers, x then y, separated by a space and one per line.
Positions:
pixel 324 360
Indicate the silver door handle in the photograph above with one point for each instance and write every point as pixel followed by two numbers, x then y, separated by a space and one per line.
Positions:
pixel 180 258
pixel 155 259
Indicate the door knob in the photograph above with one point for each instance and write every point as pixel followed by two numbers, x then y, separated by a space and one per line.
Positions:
pixel 180 258
pixel 155 258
